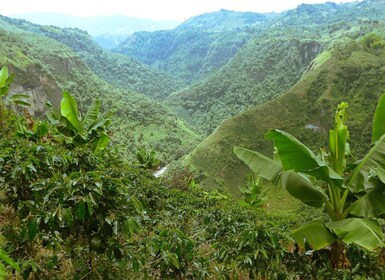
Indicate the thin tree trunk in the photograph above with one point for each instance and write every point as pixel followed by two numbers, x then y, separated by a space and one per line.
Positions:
pixel 338 257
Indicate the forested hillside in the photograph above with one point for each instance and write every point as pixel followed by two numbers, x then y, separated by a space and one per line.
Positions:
pixel 197 47
pixel 44 67
pixel 79 195
pixel 350 71
pixel 118 70
pixel 260 71
pixel 273 61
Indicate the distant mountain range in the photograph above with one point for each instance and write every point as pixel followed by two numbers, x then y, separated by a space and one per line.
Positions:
pixel 108 31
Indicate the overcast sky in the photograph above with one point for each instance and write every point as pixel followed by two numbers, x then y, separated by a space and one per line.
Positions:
pixel 151 9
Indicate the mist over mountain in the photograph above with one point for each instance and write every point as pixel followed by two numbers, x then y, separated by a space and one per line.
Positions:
pixel 108 31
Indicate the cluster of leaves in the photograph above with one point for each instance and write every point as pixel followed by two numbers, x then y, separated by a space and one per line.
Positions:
pixel 253 192
pixel 77 212
pixel 351 195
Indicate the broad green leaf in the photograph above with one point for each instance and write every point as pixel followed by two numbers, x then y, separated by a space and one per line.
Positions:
pixel 152 247
pixel 3 76
pixel 32 229
pixel 7 259
pixel 20 99
pixel 378 120
pixel 41 130
pixel 20 96
pixel 92 114
pixel 81 210
pixel 371 205
pixel 374 159
pixel 363 232
pixel 101 143
pixel 271 170
pixel 130 227
pixel 100 123
pixel 171 258
pixel 263 166
pixel 294 155
pixel 66 128
pixel 90 207
pixel 137 204
pixel 69 110
pixel 3 272
pixel 301 188
pixel 315 234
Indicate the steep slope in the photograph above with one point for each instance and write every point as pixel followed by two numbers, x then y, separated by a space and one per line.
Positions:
pixel 108 31
pixel 352 71
pixel 260 71
pixel 44 67
pixel 273 60
pixel 119 70
pixel 197 47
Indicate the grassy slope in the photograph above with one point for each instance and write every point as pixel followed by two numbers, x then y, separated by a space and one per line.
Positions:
pixel 349 73
pixel 47 67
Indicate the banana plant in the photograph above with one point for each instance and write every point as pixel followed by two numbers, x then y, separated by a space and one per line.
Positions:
pixel 5 82
pixel 352 197
pixel 92 129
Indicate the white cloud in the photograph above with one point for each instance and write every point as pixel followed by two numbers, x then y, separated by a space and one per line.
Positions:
pixel 154 9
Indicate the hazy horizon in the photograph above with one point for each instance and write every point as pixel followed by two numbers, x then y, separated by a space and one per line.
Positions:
pixel 150 9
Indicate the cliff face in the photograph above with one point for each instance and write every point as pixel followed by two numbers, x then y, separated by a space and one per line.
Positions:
pixel 39 86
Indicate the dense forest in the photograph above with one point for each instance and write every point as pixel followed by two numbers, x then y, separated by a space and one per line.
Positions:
pixel 271 127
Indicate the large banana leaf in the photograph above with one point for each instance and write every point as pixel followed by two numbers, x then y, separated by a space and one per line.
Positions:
pixel 364 232
pixel 378 121
pixel 101 143
pixel 315 234
pixel 3 76
pixel 260 164
pixel 301 188
pixel 296 185
pixel 371 205
pixel 91 115
pixel 374 159
pixel 69 110
pixel 294 155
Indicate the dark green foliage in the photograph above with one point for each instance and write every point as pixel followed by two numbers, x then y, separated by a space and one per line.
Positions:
pixel 71 213
pixel 189 54
pixel 147 159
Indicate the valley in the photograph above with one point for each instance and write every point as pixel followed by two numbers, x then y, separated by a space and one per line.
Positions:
pixel 106 111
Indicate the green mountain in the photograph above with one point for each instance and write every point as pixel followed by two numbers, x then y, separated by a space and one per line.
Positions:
pixel 225 20
pixel 351 71
pixel 259 72
pixel 273 60
pixel 196 48
pixel 44 67
pixel 108 31
pixel 119 70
